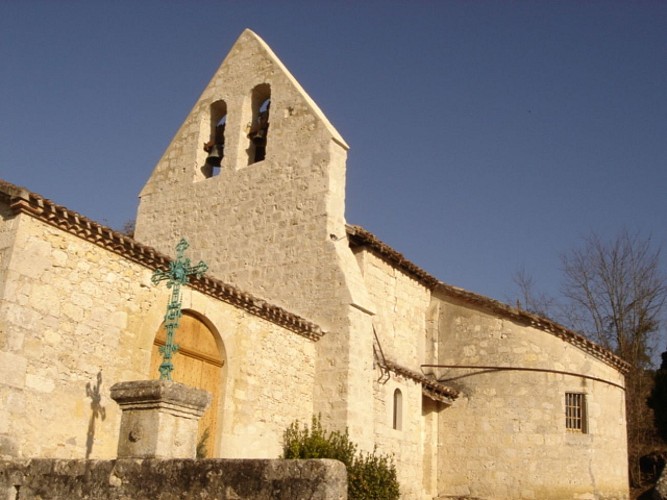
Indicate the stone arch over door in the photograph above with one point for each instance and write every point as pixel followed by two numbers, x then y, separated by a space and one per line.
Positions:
pixel 199 363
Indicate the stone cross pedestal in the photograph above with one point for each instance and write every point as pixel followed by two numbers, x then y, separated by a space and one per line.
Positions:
pixel 160 418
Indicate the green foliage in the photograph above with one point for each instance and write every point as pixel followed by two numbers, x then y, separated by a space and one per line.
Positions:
pixel 370 476
pixel 315 442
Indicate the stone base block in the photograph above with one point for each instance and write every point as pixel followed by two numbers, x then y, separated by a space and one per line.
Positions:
pixel 160 418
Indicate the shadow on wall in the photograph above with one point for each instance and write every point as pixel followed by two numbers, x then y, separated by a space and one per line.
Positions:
pixel 96 409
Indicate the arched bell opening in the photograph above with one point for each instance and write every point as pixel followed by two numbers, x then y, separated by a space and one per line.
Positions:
pixel 215 146
pixel 258 132
pixel 199 362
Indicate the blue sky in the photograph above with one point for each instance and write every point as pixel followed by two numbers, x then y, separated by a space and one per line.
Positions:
pixel 485 136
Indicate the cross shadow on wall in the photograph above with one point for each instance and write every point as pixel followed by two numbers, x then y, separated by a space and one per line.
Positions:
pixel 96 409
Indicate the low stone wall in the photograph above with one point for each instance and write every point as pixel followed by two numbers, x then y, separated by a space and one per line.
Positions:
pixel 172 479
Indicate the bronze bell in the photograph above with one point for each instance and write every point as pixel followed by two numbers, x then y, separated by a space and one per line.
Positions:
pixel 214 156
pixel 259 139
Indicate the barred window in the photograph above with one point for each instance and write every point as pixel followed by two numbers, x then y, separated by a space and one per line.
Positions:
pixel 575 412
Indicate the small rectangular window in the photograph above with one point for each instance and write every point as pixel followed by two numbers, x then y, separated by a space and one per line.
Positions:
pixel 575 412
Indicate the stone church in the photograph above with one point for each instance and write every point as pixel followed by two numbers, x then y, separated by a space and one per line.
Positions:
pixel 300 314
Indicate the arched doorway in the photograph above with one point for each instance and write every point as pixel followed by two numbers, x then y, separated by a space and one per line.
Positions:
pixel 198 363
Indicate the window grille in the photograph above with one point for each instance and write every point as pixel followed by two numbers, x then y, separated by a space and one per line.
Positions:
pixel 575 412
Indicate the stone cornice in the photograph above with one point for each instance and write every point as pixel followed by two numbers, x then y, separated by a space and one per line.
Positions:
pixel 362 238
pixel 24 201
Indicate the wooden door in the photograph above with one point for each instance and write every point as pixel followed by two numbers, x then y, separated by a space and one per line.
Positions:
pixel 198 363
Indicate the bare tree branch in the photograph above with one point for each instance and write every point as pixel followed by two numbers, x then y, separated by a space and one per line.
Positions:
pixel 617 293
pixel 531 301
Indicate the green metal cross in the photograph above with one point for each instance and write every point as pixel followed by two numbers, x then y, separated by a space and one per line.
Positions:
pixel 178 274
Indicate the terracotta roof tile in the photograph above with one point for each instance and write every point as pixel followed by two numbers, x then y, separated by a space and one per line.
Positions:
pixel 360 237
pixel 22 200
pixel 430 386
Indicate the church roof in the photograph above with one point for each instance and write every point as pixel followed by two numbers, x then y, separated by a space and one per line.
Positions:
pixel 431 387
pixel 360 237
pixel 21 200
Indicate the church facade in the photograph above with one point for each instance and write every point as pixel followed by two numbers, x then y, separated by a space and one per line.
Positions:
pixel 299 314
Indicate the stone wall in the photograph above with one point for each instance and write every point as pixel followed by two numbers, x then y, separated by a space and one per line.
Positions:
pixel 401 304
pixel 7 232
pixel 173 479
pixel 505 436
pixel 9 344
pixel 75 318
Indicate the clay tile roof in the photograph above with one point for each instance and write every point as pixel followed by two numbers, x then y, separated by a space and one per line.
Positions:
pixel 21 200
pixel 430 386
pixel 359 237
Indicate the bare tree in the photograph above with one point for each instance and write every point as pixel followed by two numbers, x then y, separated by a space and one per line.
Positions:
pixel 531 300
pixel 615 292
pixel 129 227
